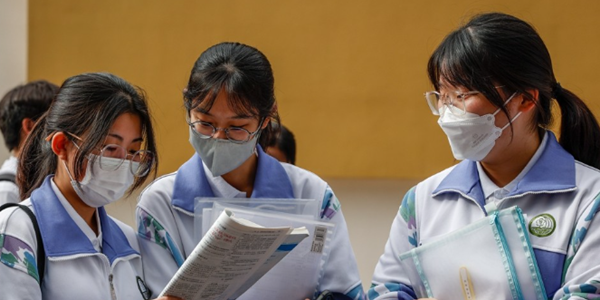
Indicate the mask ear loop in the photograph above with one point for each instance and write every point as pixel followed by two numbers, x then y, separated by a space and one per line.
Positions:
pixel 514 118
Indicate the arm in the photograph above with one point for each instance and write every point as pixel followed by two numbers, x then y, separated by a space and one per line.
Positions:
pixel 340 271
pixel 18 270
pixel 158 239
pixel 389 280
pixel 581 275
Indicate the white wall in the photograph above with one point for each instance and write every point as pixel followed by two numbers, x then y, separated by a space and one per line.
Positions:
pixel 13 50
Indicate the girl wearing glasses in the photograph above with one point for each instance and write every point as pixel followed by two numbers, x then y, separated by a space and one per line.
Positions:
pixel 494 89
pixel 231 107
pixel 94 144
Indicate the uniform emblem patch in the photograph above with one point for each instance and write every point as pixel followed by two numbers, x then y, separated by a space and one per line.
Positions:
pixel 542 225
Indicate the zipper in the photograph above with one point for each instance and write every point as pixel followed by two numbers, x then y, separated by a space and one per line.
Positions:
pixel 113 294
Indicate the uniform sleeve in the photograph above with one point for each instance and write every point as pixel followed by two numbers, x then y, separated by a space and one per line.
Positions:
pixel 340 272
pixel 389 280
pixel 18 269
pixel 160 248
pixel 581 275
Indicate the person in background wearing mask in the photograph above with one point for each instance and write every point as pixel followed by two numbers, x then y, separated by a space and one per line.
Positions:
pixel 19 109
pixel 283 147
pixel 230 106
pixel 94 144
pixel 494 87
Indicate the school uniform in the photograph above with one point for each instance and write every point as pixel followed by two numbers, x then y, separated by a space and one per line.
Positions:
pixel 79 264
pixel 558 195
pixel 9 191
pixel 165 218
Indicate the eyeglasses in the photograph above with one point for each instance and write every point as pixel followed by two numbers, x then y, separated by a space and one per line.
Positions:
pixel 144 159
pixel 143 288
pixel 237 135
pixel 436 101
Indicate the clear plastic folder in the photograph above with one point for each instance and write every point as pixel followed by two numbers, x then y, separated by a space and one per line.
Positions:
pixel 489 259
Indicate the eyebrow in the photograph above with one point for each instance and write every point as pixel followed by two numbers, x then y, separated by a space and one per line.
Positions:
pixel 236 117
pixel 118 137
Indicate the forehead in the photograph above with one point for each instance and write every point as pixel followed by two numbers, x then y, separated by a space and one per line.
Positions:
pixel 224 105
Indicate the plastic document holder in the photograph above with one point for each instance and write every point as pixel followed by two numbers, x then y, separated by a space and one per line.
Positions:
pixel 308 208
pixel 297 275
pixel 491 258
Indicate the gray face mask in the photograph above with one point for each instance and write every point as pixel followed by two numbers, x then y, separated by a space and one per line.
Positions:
pixel 222 156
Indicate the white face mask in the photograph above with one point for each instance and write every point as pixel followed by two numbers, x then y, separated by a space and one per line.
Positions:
pixel 222 156
pixel 471 136
pixel 101 187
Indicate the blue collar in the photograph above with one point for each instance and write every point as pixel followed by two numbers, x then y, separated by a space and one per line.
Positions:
pixel 271 181
pixel 553 172
pixel 62 236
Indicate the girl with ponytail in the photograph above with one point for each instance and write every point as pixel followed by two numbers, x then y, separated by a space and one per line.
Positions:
pixel 94 144
pixel 493 92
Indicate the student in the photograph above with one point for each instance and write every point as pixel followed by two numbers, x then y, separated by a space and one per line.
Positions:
pixel 19 109
pixel 95 142
pixel 494 87
pixel 283 147
pixel 230 106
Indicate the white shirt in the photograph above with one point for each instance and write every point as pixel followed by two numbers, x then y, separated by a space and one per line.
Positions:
pixel 495 193
pixel 9 191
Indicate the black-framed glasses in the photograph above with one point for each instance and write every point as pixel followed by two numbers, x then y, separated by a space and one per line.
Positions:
pixel 112 156
pixel 237 135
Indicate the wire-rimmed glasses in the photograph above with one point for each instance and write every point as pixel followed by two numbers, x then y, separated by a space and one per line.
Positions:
pixel 142 159
pixel 436 101
pixel 237 135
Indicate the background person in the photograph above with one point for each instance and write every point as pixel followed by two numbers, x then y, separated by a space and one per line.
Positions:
pixel 494 87
pixel 283 147
pixel 19 109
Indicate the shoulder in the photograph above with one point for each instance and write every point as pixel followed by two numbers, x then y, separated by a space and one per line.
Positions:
pixel 159 192
pixel 432 182
pixel 18 240
pixel 304 182
pixel 128 232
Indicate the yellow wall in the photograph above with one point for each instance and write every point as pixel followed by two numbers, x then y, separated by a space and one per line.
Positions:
pixel 349 75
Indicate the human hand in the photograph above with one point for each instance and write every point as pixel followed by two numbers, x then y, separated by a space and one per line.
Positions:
pixel 168 298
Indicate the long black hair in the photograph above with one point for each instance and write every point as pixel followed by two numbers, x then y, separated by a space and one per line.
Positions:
pixel 496 49
pixel 244 73
pixel 87 103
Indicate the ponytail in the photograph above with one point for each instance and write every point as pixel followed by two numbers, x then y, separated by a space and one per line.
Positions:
pixel 36 160
pixel 579 130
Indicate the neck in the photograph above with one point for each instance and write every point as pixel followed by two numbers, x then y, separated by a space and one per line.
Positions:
pixel 63 182
pixel 242 178
pixel 514 158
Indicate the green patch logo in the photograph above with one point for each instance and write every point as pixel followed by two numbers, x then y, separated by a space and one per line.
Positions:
pixel 542 225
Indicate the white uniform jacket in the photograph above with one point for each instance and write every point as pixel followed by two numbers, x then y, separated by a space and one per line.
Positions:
pixel 559 197
pixel 165 218
pixel 9 191
pixel 74 269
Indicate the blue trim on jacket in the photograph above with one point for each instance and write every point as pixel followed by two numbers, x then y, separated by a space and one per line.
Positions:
pixel 62 236
pixel 271 181
pixel 554 171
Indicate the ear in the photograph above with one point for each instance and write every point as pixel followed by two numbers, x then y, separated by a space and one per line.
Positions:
pixel 528 100
pixel 60 145
pixel 27 125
